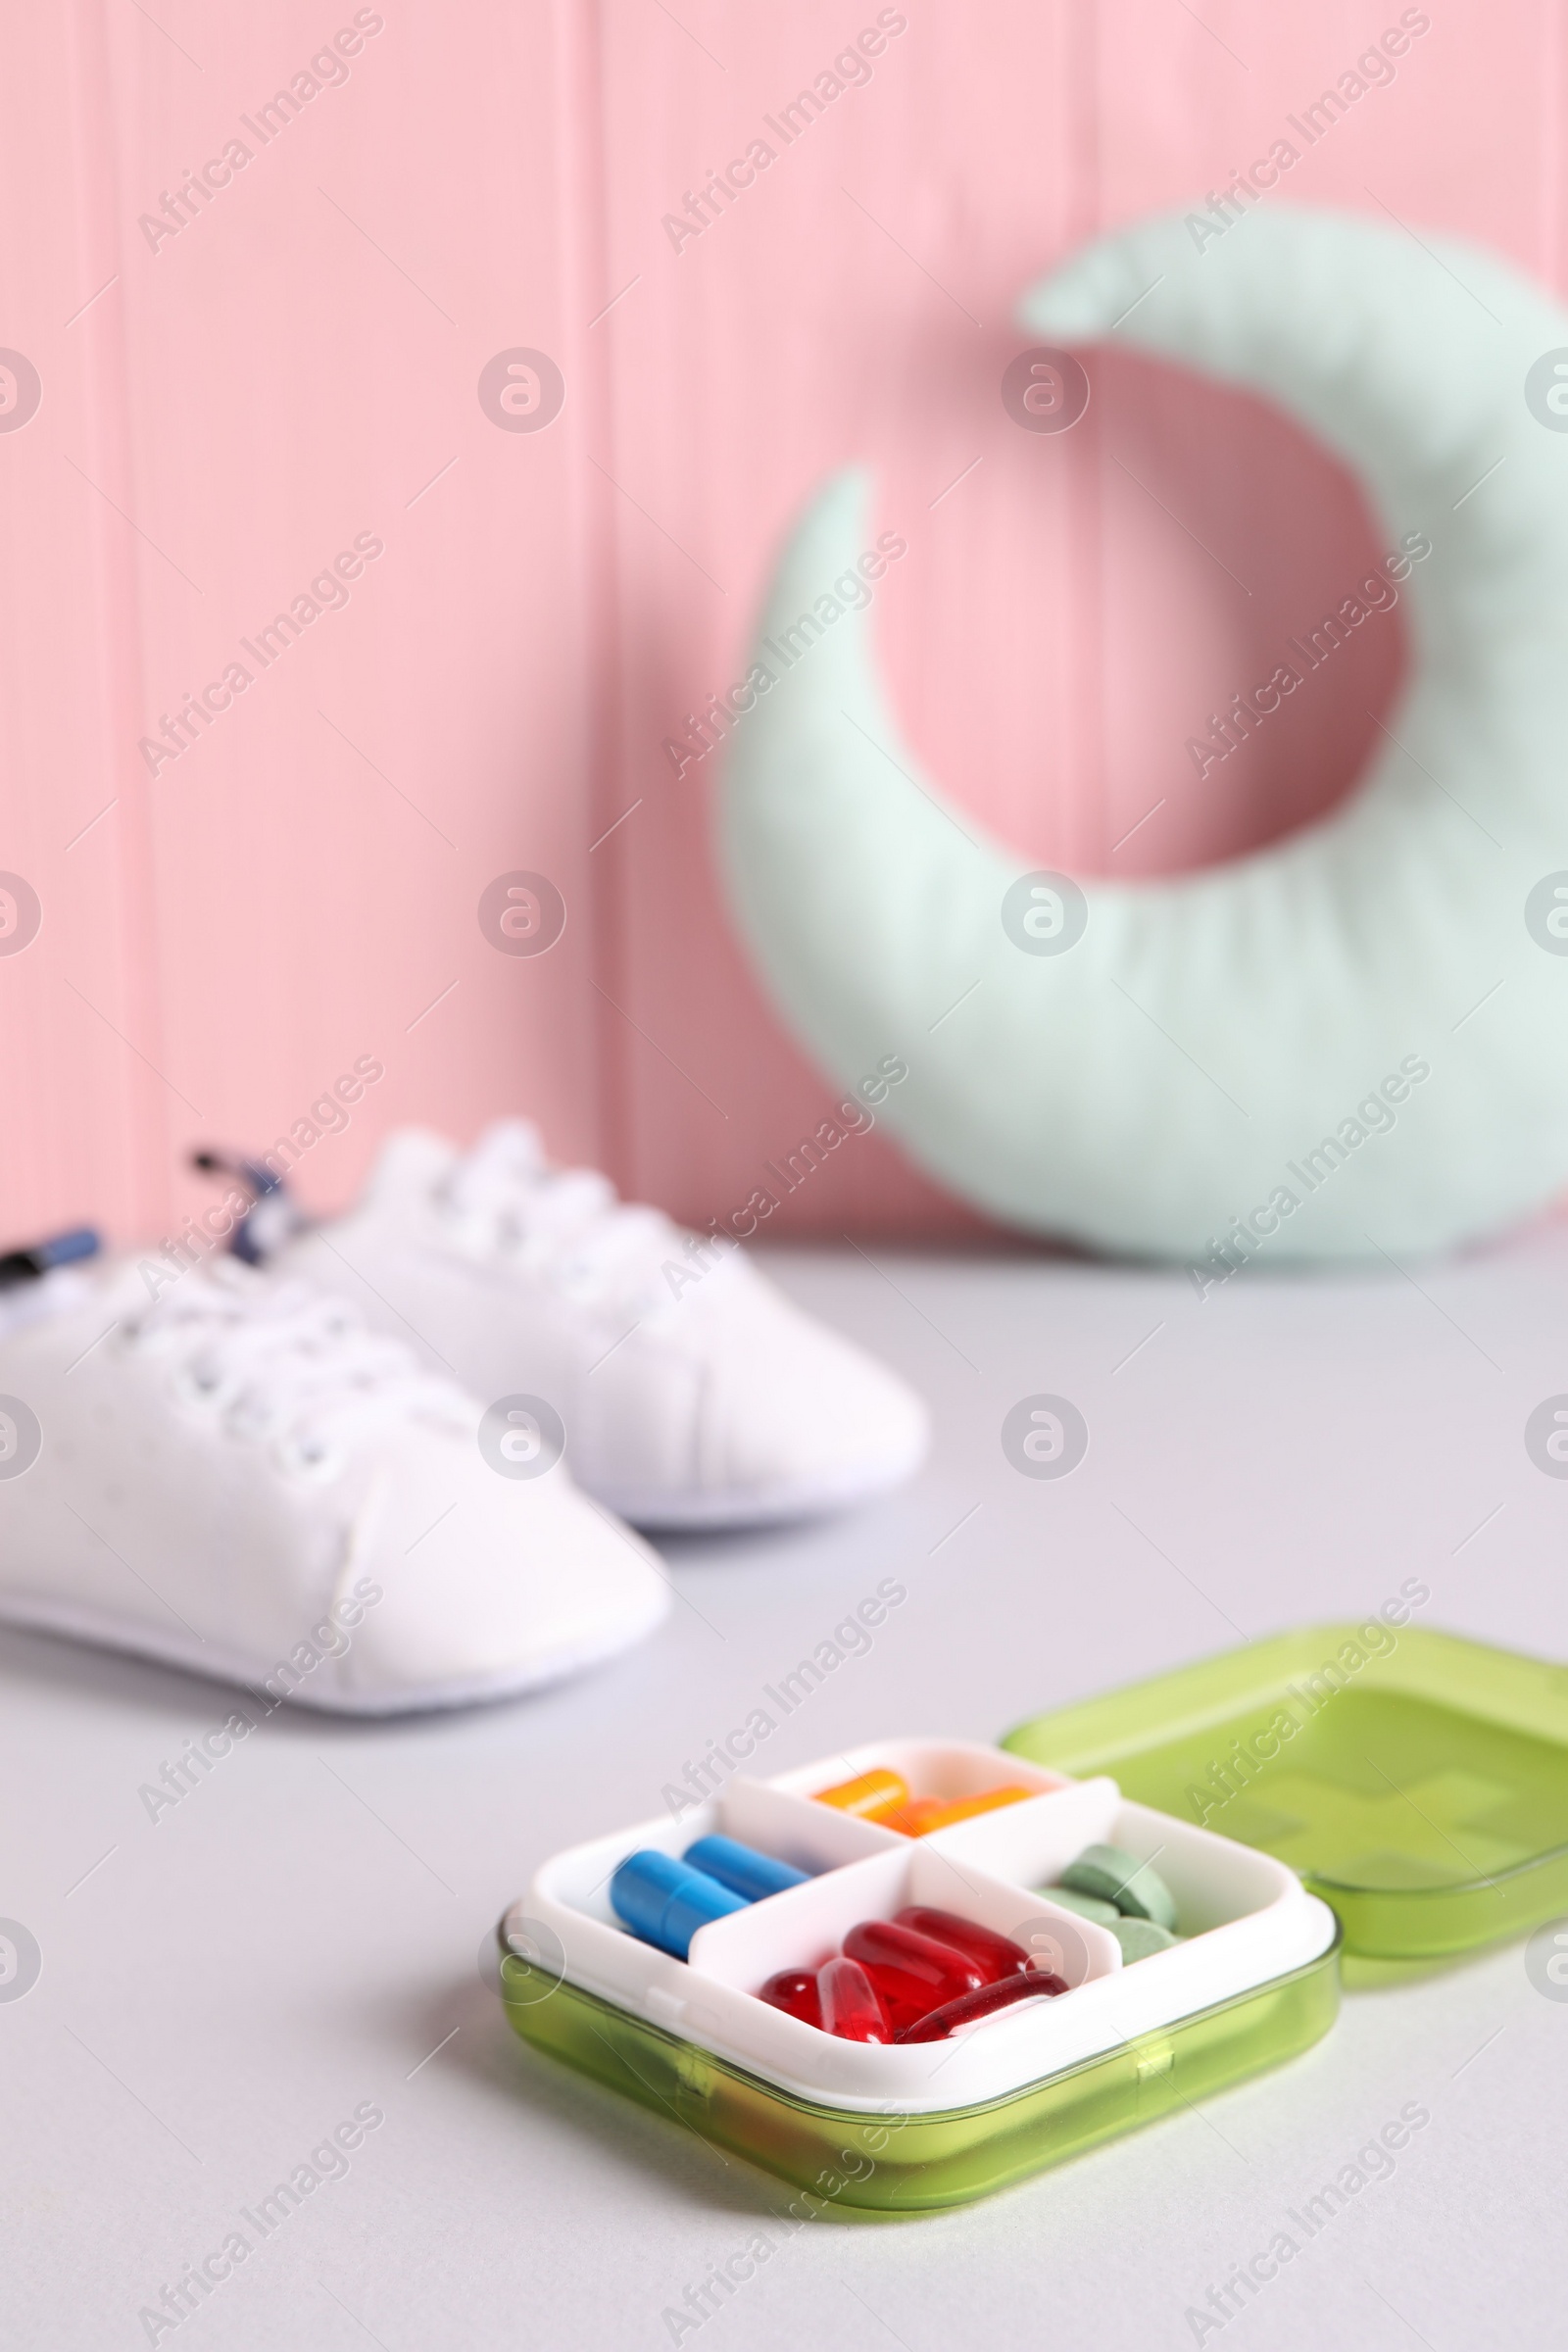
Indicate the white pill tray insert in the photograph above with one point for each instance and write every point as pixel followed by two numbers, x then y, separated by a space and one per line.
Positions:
pixel 1246 1917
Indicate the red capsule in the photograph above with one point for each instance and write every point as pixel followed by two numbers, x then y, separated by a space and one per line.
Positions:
pixel 1002 1995
pixel 794 1991
pixel 994 1956
pixel 850 2008
pixel 913 1974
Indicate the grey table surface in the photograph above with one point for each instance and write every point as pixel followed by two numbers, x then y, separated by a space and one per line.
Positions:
pixel 301 1936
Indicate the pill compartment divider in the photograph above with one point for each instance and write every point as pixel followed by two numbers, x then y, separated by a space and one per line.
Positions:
pixel 733 1957
pixel 569 1896
pixel 1253 1919
pixel 941 1768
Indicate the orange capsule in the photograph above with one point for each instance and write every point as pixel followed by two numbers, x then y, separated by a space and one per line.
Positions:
pixel 867 1796
pixel 913 1818
pixel 926 1814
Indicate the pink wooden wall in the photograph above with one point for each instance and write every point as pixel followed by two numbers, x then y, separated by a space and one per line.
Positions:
pixel 226 409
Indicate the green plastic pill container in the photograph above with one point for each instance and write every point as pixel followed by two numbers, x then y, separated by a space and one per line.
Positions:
pixel 1402 1795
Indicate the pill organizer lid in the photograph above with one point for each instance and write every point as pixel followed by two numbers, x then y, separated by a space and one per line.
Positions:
pixel 1417 1781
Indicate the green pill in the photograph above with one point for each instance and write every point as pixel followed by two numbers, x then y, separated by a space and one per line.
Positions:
pixel 1135 1887
pixel 1139 1937
pixel 1088 1906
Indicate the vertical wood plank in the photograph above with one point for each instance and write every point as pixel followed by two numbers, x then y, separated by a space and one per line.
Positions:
pixel 293 368
pixel 853 303
pixel 81 1108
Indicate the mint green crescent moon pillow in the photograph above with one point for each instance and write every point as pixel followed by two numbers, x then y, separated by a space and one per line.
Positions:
pixel 1354 1042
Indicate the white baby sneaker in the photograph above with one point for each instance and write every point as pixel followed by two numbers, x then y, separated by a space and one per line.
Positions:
pixel 236 1477
pixel 688 1390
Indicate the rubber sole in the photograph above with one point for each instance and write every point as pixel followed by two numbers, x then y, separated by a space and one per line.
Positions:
pixel 192 1655
pixel 739 1507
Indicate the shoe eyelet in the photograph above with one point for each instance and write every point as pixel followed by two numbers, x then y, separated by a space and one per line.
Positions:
pixel 201 1391
pixel 245 1418
pixel 309 1460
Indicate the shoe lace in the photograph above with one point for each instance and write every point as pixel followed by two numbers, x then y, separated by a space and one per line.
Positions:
pixel 503 1200
pixel 279 1359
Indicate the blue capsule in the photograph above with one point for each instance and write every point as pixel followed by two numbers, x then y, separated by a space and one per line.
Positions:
pixel 666 1901
pixel 743 1869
